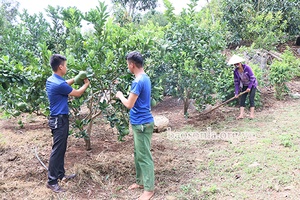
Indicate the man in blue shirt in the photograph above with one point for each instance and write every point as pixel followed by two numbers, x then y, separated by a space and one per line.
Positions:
pixel 142 124
pixel 58 90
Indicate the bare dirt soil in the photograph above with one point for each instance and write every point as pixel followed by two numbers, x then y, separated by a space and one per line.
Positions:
pixel 107 170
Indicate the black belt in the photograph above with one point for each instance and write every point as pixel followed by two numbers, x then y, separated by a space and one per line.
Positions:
pixel 60 116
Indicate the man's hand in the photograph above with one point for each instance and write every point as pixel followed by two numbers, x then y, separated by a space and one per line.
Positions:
pixel 116 82
pixel 236 96
pixel 80 91
pixel 129 103
pixel 119 94
pixel 86 81
pixel 248 90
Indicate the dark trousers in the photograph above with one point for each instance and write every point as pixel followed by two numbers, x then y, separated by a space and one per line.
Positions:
pixel 251 96
pixel 56 168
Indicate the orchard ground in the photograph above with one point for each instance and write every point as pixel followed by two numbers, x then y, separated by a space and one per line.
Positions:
pixel 202 157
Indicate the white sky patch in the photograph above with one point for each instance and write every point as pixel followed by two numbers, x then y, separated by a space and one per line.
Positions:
pixel 34 6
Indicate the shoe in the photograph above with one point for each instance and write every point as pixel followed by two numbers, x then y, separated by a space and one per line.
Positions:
pixel 68 177
pixel 55 188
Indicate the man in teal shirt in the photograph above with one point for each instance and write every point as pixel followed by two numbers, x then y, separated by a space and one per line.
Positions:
pixel 142 123
pixel 58 90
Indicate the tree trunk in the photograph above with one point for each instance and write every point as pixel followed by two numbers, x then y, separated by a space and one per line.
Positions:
pixel 258 4
pixel 212 15
pixel 130 9
pixel 87 139
pixel 186 106
pixel 186 101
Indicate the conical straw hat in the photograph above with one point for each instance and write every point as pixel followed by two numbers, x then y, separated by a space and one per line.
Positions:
pixel 235 59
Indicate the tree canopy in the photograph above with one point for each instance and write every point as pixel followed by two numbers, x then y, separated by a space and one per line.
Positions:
pixel 184 53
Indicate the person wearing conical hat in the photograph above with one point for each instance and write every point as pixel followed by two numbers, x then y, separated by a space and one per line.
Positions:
pixel 244 80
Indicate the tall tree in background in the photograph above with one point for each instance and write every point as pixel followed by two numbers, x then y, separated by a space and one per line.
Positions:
pixel 239 16
pixel 8 13
pixel 8 10
pixel 58 33
pixel 127 8
pixel 154 16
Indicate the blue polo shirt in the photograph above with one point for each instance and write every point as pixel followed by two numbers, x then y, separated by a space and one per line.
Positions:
pixel 140 113
pixel 58 90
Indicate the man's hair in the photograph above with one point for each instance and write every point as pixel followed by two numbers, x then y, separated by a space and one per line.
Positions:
pixel 136 58
pixel 56 60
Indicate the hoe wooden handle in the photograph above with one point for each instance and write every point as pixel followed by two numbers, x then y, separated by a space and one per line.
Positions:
pixel 225 102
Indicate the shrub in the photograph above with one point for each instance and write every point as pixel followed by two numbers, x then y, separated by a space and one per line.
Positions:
pixel 280 73
pixel 283 71
pixel 267 30
pixel 225 87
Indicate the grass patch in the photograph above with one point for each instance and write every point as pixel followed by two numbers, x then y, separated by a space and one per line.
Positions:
pixel 264 163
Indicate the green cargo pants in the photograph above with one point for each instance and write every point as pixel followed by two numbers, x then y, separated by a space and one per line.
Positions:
pixel 144 165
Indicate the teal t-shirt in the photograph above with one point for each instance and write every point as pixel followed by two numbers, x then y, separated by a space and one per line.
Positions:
pixel 141 111
pixel 58 90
